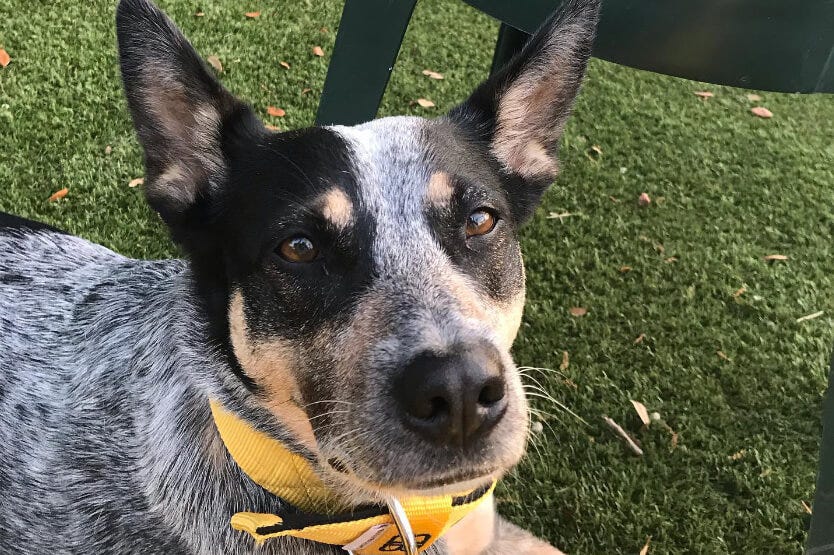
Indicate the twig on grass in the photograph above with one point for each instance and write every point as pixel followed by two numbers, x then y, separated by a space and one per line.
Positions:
pixel 624 435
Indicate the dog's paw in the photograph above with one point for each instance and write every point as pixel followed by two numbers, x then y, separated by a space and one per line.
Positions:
pixel 510 539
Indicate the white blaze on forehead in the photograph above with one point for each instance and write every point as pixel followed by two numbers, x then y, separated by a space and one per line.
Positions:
pixel 395 183
pixel 336 207
pixel 389 157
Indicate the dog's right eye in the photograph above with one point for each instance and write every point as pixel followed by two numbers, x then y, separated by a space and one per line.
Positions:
pixel 298 249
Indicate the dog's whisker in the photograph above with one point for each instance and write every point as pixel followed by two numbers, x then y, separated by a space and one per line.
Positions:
pixel 562 406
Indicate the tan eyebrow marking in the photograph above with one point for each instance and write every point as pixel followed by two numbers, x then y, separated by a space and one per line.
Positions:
pixel 440 189
pixel 336 207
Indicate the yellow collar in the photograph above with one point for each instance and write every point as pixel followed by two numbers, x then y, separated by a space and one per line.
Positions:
pixel 368 530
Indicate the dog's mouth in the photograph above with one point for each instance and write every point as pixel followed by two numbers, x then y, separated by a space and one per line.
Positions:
pixel 452 482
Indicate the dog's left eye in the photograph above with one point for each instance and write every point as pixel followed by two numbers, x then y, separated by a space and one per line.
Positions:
pixel 480 222
pixel 298 249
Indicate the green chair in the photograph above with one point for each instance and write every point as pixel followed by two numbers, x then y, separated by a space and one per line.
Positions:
pixel 776 45
pixel 821 536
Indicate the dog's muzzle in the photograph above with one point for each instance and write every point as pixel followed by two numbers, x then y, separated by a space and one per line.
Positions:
pixel 410 525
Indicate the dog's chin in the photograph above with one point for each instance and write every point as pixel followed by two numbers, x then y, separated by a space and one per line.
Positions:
pixel 362 490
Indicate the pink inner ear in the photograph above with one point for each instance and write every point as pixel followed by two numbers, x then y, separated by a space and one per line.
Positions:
pixel 529 125
pixel 189 145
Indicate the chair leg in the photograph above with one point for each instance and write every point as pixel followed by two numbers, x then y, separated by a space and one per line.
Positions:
pixel 510 42
pixel 821 535
pixel 369 39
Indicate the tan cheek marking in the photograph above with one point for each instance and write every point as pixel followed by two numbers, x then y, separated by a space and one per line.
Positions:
pixel 336 207
pixel 440 189
pixel 474 533
pixel 269 364
pixel 503 318
pixel 471 303
pixel 508 320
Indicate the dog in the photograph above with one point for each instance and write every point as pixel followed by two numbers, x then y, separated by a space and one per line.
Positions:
pixel 349 295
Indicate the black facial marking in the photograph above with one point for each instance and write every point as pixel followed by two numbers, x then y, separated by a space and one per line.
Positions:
pixel 492 260
pixel 273 193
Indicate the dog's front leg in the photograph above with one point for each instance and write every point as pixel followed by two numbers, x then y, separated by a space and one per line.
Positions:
pixel 484 532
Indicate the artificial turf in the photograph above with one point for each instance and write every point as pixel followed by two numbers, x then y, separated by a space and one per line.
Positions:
pixel 728 189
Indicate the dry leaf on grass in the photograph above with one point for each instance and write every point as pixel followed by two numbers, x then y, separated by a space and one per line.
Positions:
pixel 624 269
pixel 761 112
pixel 253 15
pixel 645 549
pixel 272 127
pixel 671 259
pixel 317 51
pixel 199 14
pixel 4 58
pixel 58 195
pixel 722 355
pixel 425 103
pixel 810 316
pixel 772 257
pixel 753 97
pixel 578 311
pixel 565 361
pixel 738 455
pixel 136 182
pixel 617 429
pixel 108 149
pixel 639 339
pixel 641 412
pixel 806 507
pixel 215 63
pixel 275 112
pixel 305 91
pixel 644 199
pixel 324 30
pixel 704 94
pixel 432 74
pixel 739 292
pixel 284 64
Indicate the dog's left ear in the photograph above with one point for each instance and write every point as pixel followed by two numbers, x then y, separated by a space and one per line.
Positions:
pixel 182 115
pixel 519 113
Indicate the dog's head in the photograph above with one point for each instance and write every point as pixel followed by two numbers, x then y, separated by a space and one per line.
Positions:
pixel 366 282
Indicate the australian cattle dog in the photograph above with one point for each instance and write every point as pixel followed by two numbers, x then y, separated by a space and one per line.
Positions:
pixel 346 305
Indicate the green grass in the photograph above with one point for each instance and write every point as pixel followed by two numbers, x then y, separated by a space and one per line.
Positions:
pixel 728 188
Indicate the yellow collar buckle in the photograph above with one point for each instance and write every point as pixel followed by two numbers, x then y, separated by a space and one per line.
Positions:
pixel 409 526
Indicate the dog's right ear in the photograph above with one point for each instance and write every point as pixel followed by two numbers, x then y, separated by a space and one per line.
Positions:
pixel 519 113
pixel 180 111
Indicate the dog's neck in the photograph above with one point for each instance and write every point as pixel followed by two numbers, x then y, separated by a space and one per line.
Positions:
pixel 365 530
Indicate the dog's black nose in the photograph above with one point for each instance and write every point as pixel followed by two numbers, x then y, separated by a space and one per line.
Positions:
pixel 453 399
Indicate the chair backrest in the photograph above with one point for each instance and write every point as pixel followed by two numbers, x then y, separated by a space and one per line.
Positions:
pixel 776 45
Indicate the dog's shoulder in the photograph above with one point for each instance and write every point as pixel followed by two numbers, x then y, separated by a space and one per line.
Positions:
pixel 34 249
pixel 15 224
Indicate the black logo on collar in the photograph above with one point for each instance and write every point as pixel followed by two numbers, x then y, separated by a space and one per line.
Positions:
pixel 395 544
